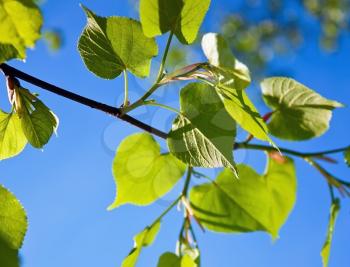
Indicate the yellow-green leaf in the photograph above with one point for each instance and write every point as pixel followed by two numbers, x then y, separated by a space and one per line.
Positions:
pixel 142 239
pixel 20 24
pixel 142 174
pixel 12 138
pixel 252 203
pixel 182 17
pixel 110 45
pixel 326 249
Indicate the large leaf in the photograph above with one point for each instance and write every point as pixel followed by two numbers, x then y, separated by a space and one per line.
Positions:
pixel 204 133
pixel 299 113
pixel 228 71
pixel 13 220
pixel 347 156
pixel 182 17
pixel 142 239
pixel 110 45
pixel 326 249
pixel 142 174
pixel 37 120
pixel 169 259
pixel 20 24
pixel 252 203
pixel 12 139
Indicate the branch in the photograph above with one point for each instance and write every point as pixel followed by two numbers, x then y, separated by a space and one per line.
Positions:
pixel 116 112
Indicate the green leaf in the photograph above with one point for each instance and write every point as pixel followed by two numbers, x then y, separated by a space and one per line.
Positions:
pixel 110 45
pixel 228 71
pixel 142 174
pixel 169 259
pixel 16 32
pixel 37 120
pixel 142 239
pixel 203 134
pixel 326 249
pixel 8 256
pixel 182 17
pixel 13 220
pixel 243 111
pixel 12 139
pixel 347 156
pixel 7 52
pixel 299 113
pixel 252 203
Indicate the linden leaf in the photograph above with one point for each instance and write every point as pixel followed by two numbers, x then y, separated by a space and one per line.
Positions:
pixel 299 113
pixel 252 203
pixel 142 174
pixel 110 45
pixel 182 17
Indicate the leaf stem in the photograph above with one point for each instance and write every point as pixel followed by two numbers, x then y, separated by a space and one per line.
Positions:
pixel 187 182
pixel 165 212
pixel 126 89
pixel 165 55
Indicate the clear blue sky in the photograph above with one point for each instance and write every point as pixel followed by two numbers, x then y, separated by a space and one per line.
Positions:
pixel 67 187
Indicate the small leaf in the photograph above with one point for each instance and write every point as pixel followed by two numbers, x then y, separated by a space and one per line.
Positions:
pixel 326 249
pixel 251 203
pixel 16 33
pixel 12 139
pixel 8 257
pixel 142 239
pixel 13 220
pixel 38 121
pixel 142 174
pixel 182 17
pixel 347 156
pixel 204 133
pixel 229 71
pixel 299 113
pixel 110 45
pixel 169 259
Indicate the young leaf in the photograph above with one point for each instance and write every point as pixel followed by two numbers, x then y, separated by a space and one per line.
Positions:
pixel 169 259
pixel 326 249
pixel 299 113
pixel 252 203
pixel 142 174
pixel 182 17
pixel 229 71
pixel 110 45
pixel 37 120
pixel 203 135
pixel 12 139
pixel 243 111
pixel 142 239
pixel 13 220
pixel 347 156
pixel 16 32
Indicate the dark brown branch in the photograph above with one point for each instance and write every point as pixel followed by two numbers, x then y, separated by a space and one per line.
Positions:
pixel 116 112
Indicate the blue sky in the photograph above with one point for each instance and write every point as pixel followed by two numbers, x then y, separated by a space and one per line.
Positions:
pixel 67 187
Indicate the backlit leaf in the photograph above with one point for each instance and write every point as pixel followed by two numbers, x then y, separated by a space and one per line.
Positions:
pixel 326 249
pixel 169 259
pixel 299 113
pixel 182 17
pixel 142 239
pixel 12 139
pixel 347 156
pixel 110 45
pixel 228 71
pixel 20 26
pixel 142 174
pixel 252 203
pixel 204 133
